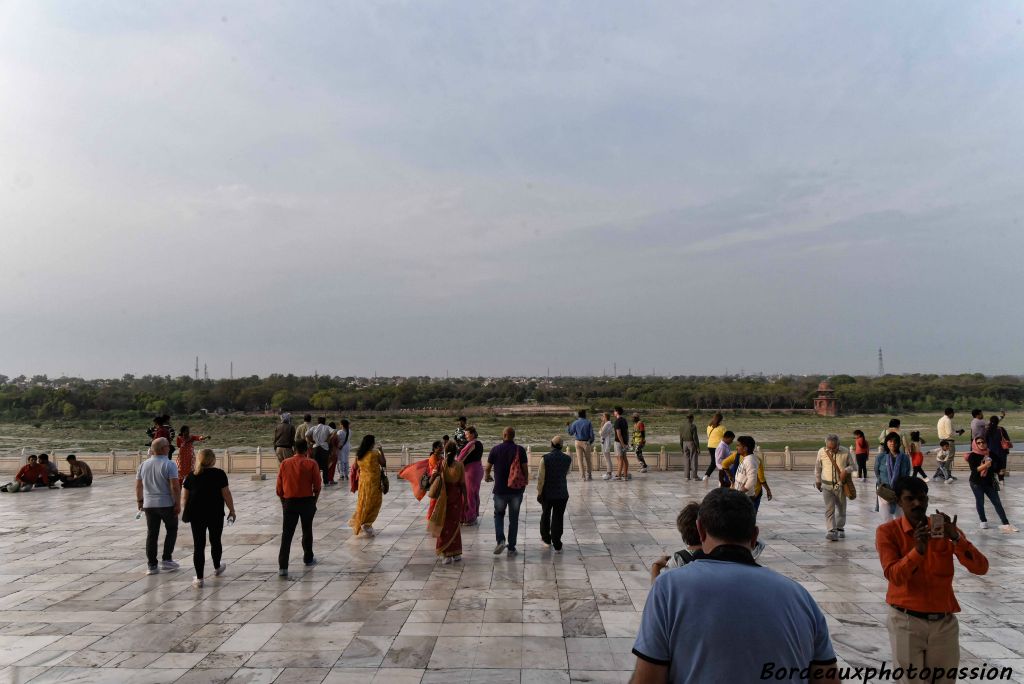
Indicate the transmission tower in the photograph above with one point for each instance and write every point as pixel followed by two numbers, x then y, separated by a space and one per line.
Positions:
pixel 881 366
pixel 197 368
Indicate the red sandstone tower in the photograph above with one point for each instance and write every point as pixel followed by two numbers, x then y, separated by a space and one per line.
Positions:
pixel 825 402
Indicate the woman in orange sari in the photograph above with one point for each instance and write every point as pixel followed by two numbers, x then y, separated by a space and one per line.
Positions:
pixel 371 463
pixel 446 520
pixel 434 463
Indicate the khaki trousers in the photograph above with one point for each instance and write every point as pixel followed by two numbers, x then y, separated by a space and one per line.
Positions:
pixel 924 643
pixel 583 457
pixel 283 453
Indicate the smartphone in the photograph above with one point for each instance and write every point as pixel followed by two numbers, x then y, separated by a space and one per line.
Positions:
pixel 938 526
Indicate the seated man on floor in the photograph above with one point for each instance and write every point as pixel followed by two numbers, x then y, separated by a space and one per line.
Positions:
pixel 27 477
pixel 80 476
pixel 51 471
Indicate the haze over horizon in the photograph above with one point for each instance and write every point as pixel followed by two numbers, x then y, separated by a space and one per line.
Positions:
pixel 501 190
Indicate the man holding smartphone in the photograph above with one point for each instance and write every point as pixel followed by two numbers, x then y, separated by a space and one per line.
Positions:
pixel 916 552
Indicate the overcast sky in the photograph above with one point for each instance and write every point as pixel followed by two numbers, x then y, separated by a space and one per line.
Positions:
pixel 503 188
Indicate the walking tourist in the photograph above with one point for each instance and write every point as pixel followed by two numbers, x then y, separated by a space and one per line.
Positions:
pixel 460 433
pixel 923 629
pixel 721 453
pixel 553 494
pixel 690 444
pixel 508 470
pixel 204 493
pixel 978 425
pixel 861 451
pixel 449 491
pixel 344 446
pixel 284 437
pixel 79 475
pixel 639 441
pixel 622 444
pixel 944 458
pixel 186 450
pixel 333 446
pixel 688 632
pixel 298 487
pixel 158 492
pixel 582 431
pixel 372 464
pixel 890 465
pixel 947 430
pixel 28 476
pixel 608 443
pixel 319 435
pixel 686 523
pixel 983 484
pixel 434 462
pixel 995 437
pixel 831 470
pixel 750 473
pixel 302 430
pixel 471 457
pixel 917 456
pixel 715 431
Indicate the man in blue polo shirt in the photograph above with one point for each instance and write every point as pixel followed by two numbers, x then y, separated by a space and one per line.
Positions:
pixel 688 630
pixel 583 431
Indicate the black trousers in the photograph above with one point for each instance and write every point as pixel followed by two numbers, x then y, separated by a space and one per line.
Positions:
pixel 711 466
pixel 293 511
pixel 85 481
pixel 215 526
pixel 321 456
pixel 862 465
pixel 552 512
pixel 154 516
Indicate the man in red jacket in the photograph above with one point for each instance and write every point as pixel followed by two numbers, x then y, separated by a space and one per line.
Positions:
pixel 298 487
pixel 31 474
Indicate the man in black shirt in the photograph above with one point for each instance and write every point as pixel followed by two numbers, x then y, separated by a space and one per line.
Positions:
pixel 622 444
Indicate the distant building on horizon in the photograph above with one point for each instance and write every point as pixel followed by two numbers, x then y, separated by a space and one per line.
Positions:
pixel 825 403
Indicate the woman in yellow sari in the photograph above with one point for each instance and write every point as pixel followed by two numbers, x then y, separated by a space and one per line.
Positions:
pixel 370 460
pixel 446 519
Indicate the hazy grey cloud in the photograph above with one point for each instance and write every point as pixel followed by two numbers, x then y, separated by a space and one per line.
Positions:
pixel 410 188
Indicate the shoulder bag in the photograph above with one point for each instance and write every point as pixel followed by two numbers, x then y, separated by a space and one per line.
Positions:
pixel 849 489
pixel 516 478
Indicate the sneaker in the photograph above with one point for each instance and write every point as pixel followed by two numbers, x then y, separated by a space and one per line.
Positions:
pixel 447 560
pixel 832 536
pixel 617 478
pixel 1008 528
pixel 283 572
pixel 511 552
pixel 310 563
pixel 197 583
pixel 630 477
pixel 558 550
pixel 219 570
pixel 949 480
pixel 704 479
pixel 369 531
pixel 926 479
pixel 153 570
pixel 169 565
pixel 499 548
pixel 643 469
pixel 590 477
pixel 547 545
pixel 456 559
pixel 606 476
pixel 842 534
pixel 983 525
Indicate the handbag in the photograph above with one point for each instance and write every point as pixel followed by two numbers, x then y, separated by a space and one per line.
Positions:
pixel 385 484
pixel 516 478
pixel 885 493
pixel 849 489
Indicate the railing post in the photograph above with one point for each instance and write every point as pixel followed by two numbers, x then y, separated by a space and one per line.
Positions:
pixel 259 465
pixel 662 459
pixel 138 458
pixel 113 462
pixel 405 455
pixel 788 459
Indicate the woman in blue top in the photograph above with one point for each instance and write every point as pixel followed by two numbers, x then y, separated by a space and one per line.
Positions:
pixel 890 465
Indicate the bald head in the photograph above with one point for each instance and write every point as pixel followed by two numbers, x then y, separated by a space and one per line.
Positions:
pixel 508 434
pixel 160 446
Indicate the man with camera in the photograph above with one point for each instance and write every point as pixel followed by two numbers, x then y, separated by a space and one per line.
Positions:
pixel 916 551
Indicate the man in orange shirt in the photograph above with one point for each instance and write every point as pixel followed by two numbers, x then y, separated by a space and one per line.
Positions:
pixel 298 486
pixel 923 629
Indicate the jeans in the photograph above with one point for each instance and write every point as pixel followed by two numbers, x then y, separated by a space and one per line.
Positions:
pixel 294 510
pixel 154 516
pixel 512 502
pixel 608 446
pixel 757 502
pixel 943 472
pixel 640 456
pixel 691 453
pixel 321 456
pixel 551 517
pixel 199 527
pixel 862 465
pixel 980 492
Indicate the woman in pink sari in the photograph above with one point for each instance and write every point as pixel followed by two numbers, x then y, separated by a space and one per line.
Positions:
pixel 449 483
pixel 471 456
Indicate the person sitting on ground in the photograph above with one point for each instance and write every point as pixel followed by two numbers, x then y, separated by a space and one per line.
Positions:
pixel 80 474
pixel 27 477
pixel 689 624
pixel 686 523
pixel 51 469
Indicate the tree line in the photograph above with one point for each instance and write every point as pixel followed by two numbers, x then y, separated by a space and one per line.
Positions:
pixel 42 397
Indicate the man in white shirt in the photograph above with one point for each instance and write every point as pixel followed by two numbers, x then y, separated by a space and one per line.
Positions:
pixel 722 453
pixel 831 469
pixel 946 429
pixel 320 436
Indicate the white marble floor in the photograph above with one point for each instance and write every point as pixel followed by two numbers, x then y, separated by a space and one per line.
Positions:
pixel 75 605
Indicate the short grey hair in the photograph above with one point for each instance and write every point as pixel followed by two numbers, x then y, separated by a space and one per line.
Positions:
pixel 161 445
pixel 832 438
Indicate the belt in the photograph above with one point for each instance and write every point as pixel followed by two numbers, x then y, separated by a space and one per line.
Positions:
pixel 931 617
